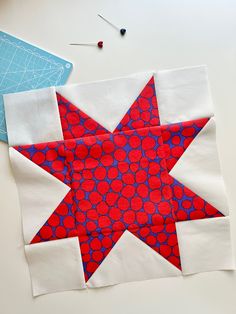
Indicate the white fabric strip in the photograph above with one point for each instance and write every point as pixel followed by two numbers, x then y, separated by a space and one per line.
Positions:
pixel 199 168
pixel 32 117
pixel 205 245
pixel 106 101
pixel 183 94
pixel 40 193
pixel 55 266
pixel 131 260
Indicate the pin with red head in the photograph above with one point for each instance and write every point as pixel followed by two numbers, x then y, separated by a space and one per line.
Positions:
pixel 98 44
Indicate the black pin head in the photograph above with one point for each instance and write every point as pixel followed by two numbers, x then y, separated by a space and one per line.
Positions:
pixel 122 31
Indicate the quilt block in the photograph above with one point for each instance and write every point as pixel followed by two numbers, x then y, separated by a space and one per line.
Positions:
pixel 119 180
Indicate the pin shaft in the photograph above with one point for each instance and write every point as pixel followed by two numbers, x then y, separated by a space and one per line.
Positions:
pixel 102 17
pixel 87 44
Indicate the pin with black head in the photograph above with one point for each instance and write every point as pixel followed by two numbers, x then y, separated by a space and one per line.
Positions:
pixel 121 30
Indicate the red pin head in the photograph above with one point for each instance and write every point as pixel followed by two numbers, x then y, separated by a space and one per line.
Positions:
pixel 100 44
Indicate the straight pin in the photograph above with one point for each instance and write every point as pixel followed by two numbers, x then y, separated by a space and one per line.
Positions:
pixel 122 30
pixel 98 44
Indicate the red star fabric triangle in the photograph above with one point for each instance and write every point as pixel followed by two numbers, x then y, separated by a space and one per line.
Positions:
pixel 61 224
pixel 143 112
pixel 50 157
pixel 163 239
pixel 95 248
pixel 187 205
pixel 75 123
pixel 178 136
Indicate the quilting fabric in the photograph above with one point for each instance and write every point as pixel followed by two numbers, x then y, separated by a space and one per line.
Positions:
pixel 119 180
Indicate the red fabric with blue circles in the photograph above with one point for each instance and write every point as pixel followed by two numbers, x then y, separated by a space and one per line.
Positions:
pixel 119 181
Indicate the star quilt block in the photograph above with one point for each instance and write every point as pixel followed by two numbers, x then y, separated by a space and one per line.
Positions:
pixel 122 184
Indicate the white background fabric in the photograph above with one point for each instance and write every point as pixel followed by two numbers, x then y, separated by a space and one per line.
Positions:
pixel 159 35
pixel 32 117
pixel 201 243
pixel 55 266
pixel 183 94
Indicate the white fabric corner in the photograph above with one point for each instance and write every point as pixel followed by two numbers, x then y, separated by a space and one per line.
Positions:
pixel 106 101
pixel 183 94
pixel 55 266
pixel 131 260
pixel 32 117
pixel 39 192
pixel 205 245
pixel 199 168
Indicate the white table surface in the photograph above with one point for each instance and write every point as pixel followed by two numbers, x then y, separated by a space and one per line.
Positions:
pixel 160 34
